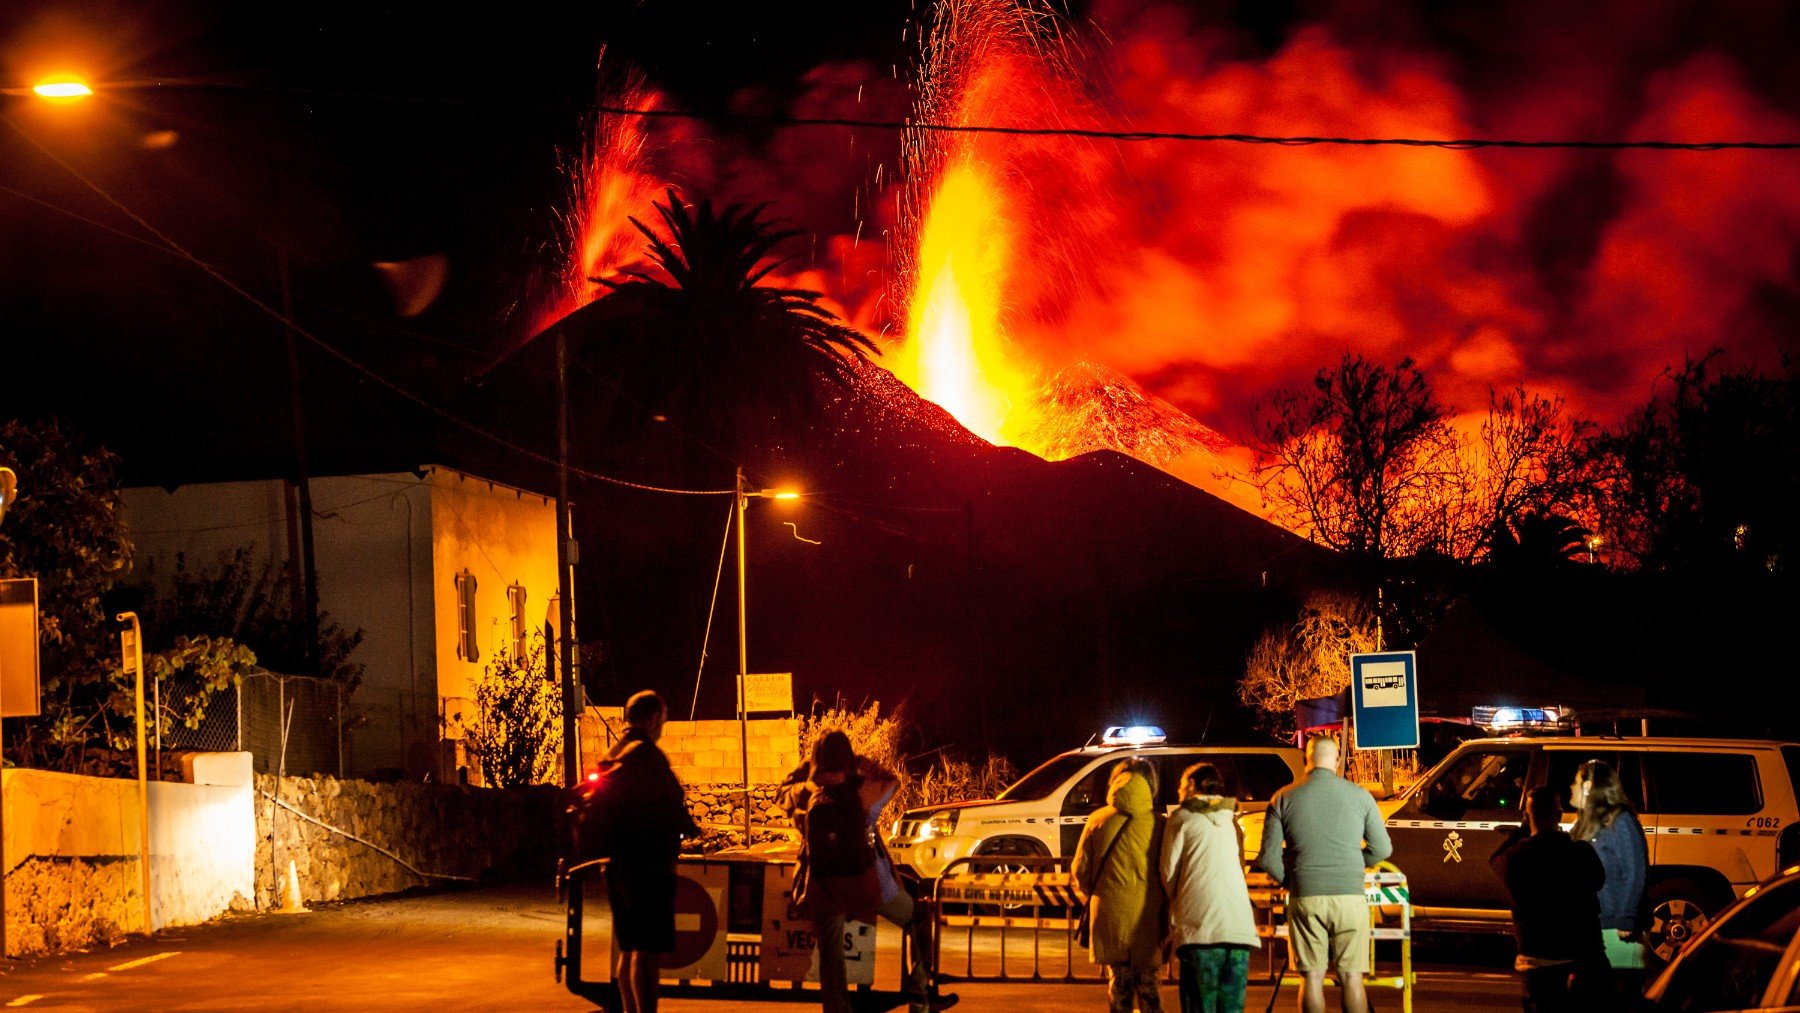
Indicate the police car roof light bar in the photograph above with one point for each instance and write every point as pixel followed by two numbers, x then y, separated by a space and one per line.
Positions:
pixel 1132 735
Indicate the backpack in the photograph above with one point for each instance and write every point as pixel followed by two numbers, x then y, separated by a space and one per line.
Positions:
pixel 837 832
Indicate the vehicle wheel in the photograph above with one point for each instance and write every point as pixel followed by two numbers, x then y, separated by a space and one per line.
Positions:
pixel 1002 854
pixel 1679 909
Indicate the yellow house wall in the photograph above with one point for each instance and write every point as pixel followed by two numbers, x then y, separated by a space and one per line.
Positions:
pixel 501 536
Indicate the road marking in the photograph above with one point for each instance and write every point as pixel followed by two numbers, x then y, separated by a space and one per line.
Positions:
pixel 25 1000
pixel 141 961
pixel 96 976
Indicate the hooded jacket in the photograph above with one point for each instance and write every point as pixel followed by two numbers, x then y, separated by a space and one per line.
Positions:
pixel 1124 888
pixel 1203 874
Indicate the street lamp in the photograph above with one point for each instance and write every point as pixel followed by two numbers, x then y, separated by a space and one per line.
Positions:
pixel 62 88
pixel 743 496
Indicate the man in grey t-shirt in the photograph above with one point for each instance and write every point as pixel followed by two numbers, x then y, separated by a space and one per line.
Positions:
pixel 1321 832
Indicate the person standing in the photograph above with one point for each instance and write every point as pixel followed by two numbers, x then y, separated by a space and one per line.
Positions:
pixel 1212 925
pixel 1319 835
pixel 640 878
pixel 836 803
pixel 1603 818
pixel 1554 881
pixel 1116 868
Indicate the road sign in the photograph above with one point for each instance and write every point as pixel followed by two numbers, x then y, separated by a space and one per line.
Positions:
pixel 699 923
pixel 1384 694
pixel 19 693
pixel 769 693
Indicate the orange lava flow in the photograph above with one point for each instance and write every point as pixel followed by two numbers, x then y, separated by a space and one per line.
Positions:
pixel 955 353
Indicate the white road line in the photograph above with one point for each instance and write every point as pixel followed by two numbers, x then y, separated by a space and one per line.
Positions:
pixel 25 1000
pixel 141 961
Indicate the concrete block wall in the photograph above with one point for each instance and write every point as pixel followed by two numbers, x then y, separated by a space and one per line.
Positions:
pixel 710 752
pixel 705 752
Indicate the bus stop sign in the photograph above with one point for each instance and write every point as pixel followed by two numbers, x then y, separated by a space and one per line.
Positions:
pixel 1384 692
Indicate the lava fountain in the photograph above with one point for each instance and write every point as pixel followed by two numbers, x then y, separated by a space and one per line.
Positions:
pixel 955 354
pixel 965 237
pixel 610 183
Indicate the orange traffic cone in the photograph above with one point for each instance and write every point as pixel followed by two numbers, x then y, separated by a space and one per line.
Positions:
pixel 291 904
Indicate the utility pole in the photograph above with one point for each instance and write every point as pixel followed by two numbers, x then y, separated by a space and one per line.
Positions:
pixel 743 705
pixel 309 581
pixel 565 583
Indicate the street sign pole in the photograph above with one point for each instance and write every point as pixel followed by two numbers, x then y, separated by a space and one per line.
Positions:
pixel 1384 699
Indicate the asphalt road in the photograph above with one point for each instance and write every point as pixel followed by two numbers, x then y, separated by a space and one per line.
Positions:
pixel 490 949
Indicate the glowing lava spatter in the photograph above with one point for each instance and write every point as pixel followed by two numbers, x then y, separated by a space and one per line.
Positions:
pixel 955 352
pixel 610 184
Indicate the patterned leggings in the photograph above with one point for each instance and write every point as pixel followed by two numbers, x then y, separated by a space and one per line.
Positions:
pixel 1129 988
pixel 1213 978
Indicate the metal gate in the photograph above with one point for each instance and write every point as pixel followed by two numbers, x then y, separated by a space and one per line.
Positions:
pixel 1033 908
pixel 1027 913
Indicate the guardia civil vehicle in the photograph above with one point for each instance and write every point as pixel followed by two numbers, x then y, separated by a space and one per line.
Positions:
pixel 1042 814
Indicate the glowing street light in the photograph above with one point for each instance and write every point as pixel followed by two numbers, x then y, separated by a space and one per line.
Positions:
pixel 62 88
pixel 743 497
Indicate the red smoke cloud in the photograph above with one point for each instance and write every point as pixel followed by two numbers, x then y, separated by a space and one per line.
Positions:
pixel 1216 273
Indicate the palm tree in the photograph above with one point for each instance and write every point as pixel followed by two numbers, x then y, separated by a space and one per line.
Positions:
pixel 699 337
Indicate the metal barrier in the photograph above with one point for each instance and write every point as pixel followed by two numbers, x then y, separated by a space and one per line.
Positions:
pixel 1390 915
pixel 1032 895
pixel 739 937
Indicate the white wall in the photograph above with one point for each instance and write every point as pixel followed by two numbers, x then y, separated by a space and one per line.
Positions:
pixel 203 842
pixel 202 837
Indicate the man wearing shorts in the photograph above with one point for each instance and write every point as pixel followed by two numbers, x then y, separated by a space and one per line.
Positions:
pixel 1320 833
pixel 640 880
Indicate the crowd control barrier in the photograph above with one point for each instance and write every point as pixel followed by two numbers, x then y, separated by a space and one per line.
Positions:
pixel 1390 916
pixel 1032 907
pixel 738 937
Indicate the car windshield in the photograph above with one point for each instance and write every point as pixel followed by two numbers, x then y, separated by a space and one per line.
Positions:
pixel 1045 779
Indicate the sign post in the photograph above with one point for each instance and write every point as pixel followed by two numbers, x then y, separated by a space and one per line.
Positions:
pixel 1384 699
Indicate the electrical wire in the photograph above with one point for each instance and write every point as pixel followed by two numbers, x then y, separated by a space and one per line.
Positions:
pixel 712 606
pixel 1455 144
pixel 927 126
pixel 333 350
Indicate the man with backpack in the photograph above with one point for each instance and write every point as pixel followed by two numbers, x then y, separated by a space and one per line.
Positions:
pixel 836 805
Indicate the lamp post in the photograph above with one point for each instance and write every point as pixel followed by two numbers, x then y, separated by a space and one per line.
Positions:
pixel 743 497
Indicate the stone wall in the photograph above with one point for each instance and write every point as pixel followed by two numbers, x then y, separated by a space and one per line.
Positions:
pixel 719 809
pixel 444 833
pixel 56 903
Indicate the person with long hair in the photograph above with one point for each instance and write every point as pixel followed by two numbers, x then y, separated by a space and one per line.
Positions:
pixel 1603 818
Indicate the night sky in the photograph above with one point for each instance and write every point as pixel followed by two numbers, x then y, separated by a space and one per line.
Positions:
pixel 337 136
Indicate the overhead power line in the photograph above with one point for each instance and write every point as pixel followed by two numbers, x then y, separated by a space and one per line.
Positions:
pixel 927 126
pixel 1455 144
pixel 332 350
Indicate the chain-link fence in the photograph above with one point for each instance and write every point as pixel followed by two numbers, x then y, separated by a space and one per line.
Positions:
pixel 287 723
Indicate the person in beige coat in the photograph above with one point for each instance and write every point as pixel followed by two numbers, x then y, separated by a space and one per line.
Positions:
pixel 1115 867
pixel 1212 925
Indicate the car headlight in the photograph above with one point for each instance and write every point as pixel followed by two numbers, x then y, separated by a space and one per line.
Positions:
pixel 939 825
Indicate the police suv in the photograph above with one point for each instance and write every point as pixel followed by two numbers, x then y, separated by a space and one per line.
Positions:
pixel 1043 813
pixel 1720 815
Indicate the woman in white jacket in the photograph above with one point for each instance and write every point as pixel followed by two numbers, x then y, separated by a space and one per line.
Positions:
pixel 1213 927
